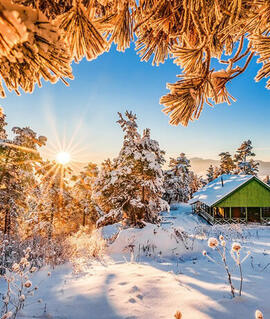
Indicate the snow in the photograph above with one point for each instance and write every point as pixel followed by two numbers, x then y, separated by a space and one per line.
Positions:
pixel 214 191
pixel 156 285
pixel 181 216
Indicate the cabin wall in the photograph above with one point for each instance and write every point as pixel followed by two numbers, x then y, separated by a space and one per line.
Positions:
pixel 252 194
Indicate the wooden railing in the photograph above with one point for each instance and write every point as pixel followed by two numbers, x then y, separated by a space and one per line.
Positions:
pixel 210 219
pixel 265 220
pixel 221 221
pixel 203 212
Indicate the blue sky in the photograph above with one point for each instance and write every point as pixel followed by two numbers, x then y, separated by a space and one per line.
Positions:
pixel 119 81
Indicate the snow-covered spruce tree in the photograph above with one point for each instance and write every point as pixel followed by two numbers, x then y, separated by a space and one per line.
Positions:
pixel 177 180
pixel 227 165
pixel 130 188
pixel 210 174
pixel 19 158
pixel 245 164
pixel 82 195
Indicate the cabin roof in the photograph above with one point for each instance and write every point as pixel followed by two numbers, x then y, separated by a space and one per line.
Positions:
pixel 215 191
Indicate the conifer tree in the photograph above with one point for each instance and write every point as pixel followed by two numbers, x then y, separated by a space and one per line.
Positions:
pixel 227 165
pixel 19 158
pixel 196 182
pixel 130 188
pixel 82 195
pixel 54 201
pixel 245 165
pixel 177 179
pixel 210 174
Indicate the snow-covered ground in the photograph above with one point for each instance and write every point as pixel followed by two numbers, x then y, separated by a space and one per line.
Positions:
pixel 168 273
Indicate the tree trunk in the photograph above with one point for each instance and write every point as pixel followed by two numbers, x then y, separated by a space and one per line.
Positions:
pixel 7 223
pixel 50 230
pixel 84 218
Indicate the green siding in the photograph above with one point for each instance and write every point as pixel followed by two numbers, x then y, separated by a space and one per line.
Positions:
pixel 251 194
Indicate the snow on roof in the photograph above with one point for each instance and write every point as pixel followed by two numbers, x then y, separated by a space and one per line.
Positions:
pixel 214 191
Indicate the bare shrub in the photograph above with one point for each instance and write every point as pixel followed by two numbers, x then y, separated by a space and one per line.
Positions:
pixel 18 286
pixel 220 247
pixel 83 247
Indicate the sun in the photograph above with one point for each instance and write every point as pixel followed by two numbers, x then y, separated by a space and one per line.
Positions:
pixel 63 158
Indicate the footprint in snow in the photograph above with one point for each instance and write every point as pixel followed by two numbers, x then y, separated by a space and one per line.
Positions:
pixel 139 296
pixel 122 283
pixel 134 289
pixel 132 300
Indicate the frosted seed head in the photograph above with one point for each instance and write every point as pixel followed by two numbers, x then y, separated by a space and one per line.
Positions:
pixel 223 243
pixel 204 253
pixel 236 247
pixel 258 314
pixel 28 284
pixel 212 242
pixel 15 267
pixel 22 298
pixel 221 237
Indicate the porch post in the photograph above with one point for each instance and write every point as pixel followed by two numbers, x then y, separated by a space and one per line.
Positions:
pixel 261 215
pixel 230 213
pixel 246 214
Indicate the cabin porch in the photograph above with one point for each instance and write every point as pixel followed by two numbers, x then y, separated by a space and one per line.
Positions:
pixel 229 215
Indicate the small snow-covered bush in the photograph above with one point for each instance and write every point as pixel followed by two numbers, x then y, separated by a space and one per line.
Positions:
pixel 83 247
pixel 43 252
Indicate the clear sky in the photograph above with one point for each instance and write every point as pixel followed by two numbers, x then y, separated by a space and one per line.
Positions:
pixel 87 110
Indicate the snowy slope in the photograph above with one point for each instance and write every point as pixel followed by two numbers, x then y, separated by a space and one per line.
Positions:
pixel 181 215
pixel 158 288
pixel 156 285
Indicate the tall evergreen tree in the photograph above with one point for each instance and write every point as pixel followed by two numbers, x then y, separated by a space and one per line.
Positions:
pixel 177 179
pixel 54 200
pixel 210 174
pixel 130 188
pixel 227 165
pixel 82 195
pixel 243 158
pixel 19 158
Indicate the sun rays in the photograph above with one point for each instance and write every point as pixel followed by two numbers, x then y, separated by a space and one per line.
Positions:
pixel 63 158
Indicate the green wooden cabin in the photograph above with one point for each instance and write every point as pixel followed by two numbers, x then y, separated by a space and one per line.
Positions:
pixel 233 199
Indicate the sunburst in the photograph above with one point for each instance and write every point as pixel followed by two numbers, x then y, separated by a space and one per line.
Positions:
pixel 63 158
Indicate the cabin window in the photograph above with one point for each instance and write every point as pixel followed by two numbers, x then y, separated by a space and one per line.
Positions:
pixel 266 212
